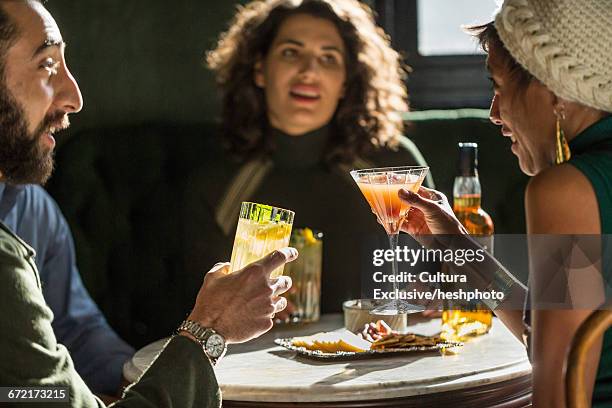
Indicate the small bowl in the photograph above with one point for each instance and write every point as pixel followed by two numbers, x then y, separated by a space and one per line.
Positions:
pixel 357 315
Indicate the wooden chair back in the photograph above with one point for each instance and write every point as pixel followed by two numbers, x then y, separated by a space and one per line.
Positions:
pixel 593 327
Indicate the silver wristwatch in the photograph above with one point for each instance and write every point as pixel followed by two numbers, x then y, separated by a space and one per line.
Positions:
pixel 212 342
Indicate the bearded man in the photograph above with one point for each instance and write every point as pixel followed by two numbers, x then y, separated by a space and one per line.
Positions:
pixel 35 100
pixel 37 95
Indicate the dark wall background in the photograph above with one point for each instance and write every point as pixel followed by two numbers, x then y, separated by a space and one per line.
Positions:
pixel 141 60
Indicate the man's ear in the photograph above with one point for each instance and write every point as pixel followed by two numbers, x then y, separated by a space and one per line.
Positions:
pixel 258 75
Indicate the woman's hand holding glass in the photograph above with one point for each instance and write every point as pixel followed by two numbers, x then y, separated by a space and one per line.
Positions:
pixel 430 214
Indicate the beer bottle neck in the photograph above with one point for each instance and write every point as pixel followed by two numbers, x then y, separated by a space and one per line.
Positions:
pixel 466 190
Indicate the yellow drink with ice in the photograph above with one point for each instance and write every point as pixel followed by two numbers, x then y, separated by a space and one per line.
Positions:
pixel 261 230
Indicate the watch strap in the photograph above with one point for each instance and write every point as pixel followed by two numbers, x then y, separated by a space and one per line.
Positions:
pixel 198 331
pixel 201 335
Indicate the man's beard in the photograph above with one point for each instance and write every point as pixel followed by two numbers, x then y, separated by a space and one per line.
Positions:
pixel 23 157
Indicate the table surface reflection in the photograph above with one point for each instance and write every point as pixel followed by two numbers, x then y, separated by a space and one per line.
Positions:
pixel 261 372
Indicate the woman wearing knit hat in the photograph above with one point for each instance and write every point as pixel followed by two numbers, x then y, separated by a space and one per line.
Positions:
pixel 552 74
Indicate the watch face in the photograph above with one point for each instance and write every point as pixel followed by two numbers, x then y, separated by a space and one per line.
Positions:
pixel 215 345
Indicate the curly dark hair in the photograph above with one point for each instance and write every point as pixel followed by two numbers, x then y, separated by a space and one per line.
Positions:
pixel 369 114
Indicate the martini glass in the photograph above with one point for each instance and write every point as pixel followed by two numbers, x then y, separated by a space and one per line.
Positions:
pixel 380 187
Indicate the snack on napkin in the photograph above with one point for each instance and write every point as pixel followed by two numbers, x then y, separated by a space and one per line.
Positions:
pixel 397 341
pixel 375 331
pixel 305 341
pixel 332 342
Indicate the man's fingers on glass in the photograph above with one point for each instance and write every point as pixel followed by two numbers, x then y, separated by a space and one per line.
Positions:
pixel 280 285
pixel 278 258
pixel 272 261
pixel 280 304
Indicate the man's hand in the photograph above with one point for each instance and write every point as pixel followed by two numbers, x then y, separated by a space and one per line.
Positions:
pixel 285 315
pixel 241 305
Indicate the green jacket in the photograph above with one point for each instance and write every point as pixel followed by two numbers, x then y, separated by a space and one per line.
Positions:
pixel 181 376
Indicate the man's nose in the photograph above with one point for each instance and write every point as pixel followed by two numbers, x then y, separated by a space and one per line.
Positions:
pixel 494 111
pixel 68 96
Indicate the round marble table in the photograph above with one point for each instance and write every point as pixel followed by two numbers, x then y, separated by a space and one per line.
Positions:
pixel 489 371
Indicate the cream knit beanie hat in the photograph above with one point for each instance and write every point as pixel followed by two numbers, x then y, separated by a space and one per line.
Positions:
pixel 565 44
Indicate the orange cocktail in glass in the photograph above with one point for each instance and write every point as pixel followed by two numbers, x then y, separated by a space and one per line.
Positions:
pixel 385 201
pixel 380 187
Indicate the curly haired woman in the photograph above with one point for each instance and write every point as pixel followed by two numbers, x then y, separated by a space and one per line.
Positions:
pixel 310 89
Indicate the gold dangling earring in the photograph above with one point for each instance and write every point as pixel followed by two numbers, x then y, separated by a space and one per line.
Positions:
pixel 562 150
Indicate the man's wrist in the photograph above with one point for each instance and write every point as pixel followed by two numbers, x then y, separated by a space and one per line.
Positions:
pixel 204 321
pixel 189 336
pixel 210 323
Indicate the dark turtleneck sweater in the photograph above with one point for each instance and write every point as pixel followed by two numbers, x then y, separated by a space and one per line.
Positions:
pixel 324 199
pixel 323 196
